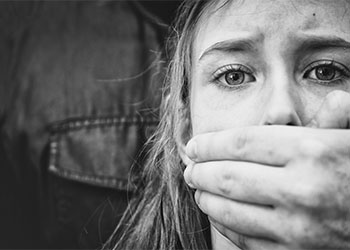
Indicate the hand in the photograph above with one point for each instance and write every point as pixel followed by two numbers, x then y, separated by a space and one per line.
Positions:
pixel 278 187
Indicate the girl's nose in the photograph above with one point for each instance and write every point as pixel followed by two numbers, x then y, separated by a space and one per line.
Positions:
pixel 282 105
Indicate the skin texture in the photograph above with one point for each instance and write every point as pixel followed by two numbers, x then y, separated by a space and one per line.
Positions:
pixel 276 186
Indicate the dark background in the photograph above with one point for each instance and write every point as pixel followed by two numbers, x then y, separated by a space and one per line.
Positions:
pixel 53 54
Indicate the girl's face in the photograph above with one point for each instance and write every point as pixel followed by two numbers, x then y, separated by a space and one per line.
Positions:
pixel 268 62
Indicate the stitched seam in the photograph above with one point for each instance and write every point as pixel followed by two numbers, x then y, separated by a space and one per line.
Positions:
pixel 79 123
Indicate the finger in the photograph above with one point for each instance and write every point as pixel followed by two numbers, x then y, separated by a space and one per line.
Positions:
pixel 247 219
pixel 244 143
pixel 223 236
pixel 270 145
pixel 241 181
pixel 334 111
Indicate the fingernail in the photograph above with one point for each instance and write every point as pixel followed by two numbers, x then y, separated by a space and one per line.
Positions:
pixel 187 175
pixel 197 196
pixel 191 149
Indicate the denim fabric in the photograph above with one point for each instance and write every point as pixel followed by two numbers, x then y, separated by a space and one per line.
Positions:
pixel 80 91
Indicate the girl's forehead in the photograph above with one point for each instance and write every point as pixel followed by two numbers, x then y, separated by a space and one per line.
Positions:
pixel 271 19
pixel 275 9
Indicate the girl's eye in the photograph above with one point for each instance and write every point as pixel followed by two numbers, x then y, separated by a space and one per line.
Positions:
pixel 234 78
pixel 231 76
pixel 326 72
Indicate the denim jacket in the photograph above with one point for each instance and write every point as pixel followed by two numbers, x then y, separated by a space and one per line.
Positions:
pixel 80 91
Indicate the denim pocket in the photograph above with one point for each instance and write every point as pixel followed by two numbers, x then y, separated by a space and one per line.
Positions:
pixel 98 151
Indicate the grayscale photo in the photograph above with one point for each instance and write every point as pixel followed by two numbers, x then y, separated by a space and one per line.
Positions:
pixel 175 124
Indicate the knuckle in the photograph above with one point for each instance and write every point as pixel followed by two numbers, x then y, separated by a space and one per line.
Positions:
pixel 226 184
pixel 240 143
pixel 311 196
pixel 315 154
pixel 226 215
pixel 300 232
pixel 337 99
pixel 311 149
pixel 308 234
pixel 336 95
pixel 307 196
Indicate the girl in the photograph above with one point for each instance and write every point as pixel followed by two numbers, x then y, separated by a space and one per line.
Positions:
pixel 237 64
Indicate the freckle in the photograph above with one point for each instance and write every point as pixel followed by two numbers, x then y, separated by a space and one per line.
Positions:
pixel 314 14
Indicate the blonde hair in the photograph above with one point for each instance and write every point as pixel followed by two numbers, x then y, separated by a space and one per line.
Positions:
pixel 164 214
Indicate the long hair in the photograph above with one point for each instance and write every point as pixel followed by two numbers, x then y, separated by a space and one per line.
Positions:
pixel 163 215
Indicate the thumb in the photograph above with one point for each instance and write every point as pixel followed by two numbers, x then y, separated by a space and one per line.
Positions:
pixel 334 112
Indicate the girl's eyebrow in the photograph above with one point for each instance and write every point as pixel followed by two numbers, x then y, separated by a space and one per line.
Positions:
pixel 313 42
pixel 307 42
pixel 230 46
